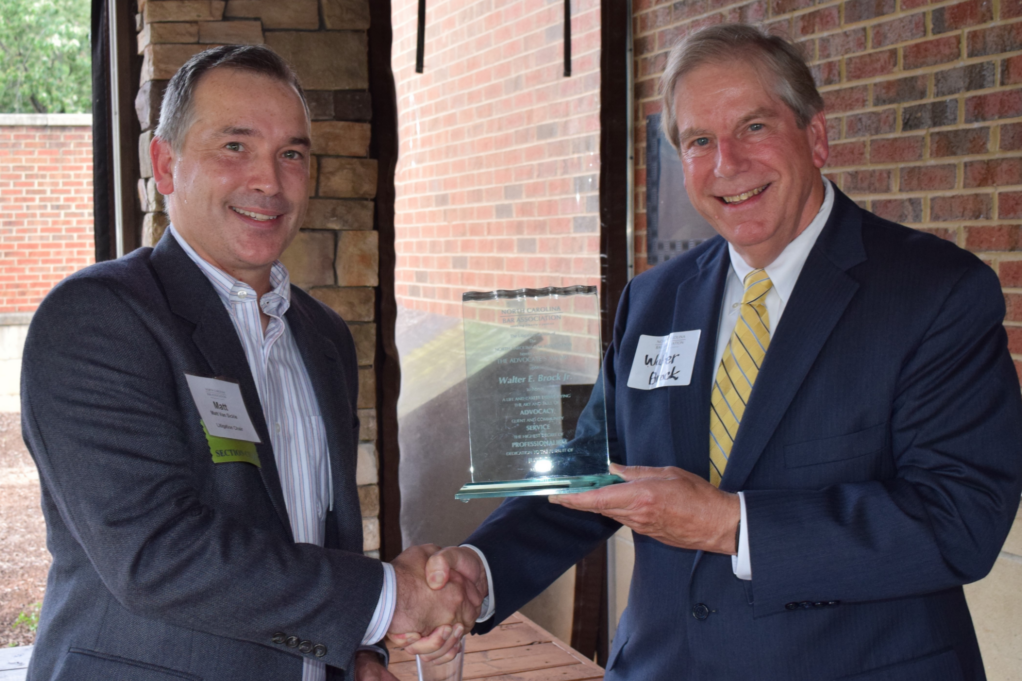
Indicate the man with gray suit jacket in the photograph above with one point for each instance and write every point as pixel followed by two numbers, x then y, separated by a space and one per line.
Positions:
pixel 193 419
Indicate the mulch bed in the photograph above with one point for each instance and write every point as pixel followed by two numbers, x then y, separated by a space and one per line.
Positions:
pixel 24 560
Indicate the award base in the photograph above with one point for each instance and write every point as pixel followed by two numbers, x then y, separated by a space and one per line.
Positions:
pixel 534 488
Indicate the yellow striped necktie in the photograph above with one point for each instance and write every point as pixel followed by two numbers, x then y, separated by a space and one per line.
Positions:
pixel 738 369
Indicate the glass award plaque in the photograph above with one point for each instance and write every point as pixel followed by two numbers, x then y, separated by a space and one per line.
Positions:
pixel 533 363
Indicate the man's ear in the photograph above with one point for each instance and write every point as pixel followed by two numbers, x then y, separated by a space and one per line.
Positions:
pixel 818 139
pixel 162 155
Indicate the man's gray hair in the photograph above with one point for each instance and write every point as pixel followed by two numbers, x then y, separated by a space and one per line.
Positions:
pixel 176 110
pixel 774 56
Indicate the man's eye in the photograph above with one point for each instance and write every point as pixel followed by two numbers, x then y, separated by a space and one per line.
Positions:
pixel 756 127
pixel 700 141
pixel 233 146
pixel 293 155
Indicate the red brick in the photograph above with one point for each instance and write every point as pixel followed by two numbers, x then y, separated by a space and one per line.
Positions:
pixel 871 65
pixel 1011 137
pixel 842 44
pixel 896 149
pixel 1010 273
pixel 1013 303
pixel 931 52
pixel 928 178
pixel 866 182
pixel 861 10
pixel 1011 70
pixel 1005 104
pixel 786 6
pixel 994 173
pixel 847 154
pixel 900 90
pixel 945 233
pixel 871 123
pixel 1011 9
pixel 962 15
pixel 961 207
pixel 1009 205
pixel 899 210
pixel 826 19
pixel 994 40
pixel 845 99
pixel 959 142
pixel 899 30
pixel 827 73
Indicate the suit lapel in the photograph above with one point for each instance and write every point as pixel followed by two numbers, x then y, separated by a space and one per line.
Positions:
pixel 697 306
pixel 328 379
pixel 818 301
pixel 191 296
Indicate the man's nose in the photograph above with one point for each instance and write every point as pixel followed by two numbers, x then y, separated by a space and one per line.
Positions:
pixel 264 175
pixel 730 158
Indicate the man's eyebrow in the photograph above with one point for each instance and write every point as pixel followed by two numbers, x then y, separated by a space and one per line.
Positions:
pixel 761 112
pixel 234 131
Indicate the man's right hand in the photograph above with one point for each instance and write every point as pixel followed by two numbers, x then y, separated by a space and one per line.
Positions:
pixel 434 610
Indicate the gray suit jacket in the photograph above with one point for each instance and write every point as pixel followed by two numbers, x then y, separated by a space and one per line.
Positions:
pixel 166 565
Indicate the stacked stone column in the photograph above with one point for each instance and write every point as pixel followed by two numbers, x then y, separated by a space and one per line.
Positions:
pixel 336 254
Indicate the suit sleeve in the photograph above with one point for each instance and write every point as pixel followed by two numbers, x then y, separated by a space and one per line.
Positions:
pixel 941 519
pixel 102 411
pixel 529 542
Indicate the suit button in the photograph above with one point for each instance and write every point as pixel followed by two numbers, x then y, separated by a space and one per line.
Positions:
pixel 279 637
pixel 319 650
pixel 805 605
pixel 831 604
pixel 700 611
pixel 305 647
pixel 818 604
pixel 791 606
pixel 291 642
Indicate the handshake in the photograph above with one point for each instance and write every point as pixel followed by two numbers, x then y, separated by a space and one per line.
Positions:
pixel 439 596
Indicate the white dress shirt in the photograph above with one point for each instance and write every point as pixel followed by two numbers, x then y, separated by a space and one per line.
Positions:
pixel 297 431
pixel 783 272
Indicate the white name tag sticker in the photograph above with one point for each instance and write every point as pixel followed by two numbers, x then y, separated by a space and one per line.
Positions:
pixel 664 361
pixel 222 408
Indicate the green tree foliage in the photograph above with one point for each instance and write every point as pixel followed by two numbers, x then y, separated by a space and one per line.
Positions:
pixel 45 60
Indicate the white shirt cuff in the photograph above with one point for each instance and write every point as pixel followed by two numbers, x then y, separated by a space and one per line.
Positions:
pixel 742 563
pixel 489 603
pixel 384 612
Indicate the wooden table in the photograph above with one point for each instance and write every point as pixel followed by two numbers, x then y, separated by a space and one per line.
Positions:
pixel 517 650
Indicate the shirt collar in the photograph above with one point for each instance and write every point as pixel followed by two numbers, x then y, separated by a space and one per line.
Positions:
pixel 231 290
pixel 786 267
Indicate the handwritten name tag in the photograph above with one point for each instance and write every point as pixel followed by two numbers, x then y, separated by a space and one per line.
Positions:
pixel 664 361
pixel 222 408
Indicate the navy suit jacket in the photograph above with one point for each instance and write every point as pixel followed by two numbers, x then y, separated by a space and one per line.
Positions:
pixel 166 565
pixel 880 455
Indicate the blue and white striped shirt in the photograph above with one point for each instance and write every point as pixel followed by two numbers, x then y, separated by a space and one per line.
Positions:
pixel 297 432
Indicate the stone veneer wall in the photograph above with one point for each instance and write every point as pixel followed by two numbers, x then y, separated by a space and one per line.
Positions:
pixel 336 255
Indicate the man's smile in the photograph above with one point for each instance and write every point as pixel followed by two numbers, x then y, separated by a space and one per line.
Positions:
pixel 739 198
pixel 255 216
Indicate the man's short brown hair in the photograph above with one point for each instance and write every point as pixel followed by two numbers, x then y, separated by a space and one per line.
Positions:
pixel 774 56
pixel 176 110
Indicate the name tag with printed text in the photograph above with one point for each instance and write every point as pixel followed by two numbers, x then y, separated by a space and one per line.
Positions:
pixel 221 408
pixel 664 361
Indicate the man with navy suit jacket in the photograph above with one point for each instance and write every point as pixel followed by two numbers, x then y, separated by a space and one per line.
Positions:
pixel 848 452
pixel 193 419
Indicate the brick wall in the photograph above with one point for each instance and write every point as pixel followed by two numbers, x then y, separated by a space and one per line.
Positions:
pixel 45 204
pixel 497 183
pixel 336 254
pixel 923 104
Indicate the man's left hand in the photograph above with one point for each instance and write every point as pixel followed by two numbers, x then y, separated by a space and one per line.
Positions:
pixel 668 504
pixel 369 668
